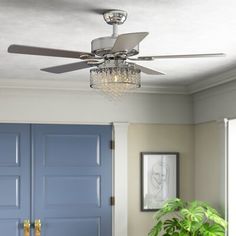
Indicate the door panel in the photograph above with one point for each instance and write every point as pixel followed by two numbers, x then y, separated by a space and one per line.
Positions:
pixel 73 226
pixel 9 146
pixel 66 191
pixel 11 227
pixel 14 178
pixel 79 150
pixel 72 179
pixel 10 192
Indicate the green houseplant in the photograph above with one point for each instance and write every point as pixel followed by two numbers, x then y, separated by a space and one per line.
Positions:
pixel 180 218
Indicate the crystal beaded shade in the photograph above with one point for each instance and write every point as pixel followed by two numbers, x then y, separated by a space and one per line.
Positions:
pixel 115 81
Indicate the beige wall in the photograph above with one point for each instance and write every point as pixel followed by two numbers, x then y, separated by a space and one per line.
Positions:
pixel 175 138
pixel 209 163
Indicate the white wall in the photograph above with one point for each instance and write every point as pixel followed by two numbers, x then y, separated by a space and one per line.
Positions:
pixel 59 106
pixel 51 106
pixel 215 104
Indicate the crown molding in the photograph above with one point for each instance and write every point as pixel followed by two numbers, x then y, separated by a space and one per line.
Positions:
pixel 43 84
pixel 163 89
pixel 74 85
pixel 212 81
pixel 224 88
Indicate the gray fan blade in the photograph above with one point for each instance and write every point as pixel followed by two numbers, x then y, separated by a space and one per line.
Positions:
pixel 21 49
pixel 126 42
pixel 148 71
pixel 68 67
pixel 150 58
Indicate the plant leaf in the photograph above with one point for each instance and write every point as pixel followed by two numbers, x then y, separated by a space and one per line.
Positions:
pixel 156 229
pixel 206 206
pixel 175 234
pixel 171 225
pixel 183 232
pixel 196 214
pixel 216 219
pixel 211 213
pixel 212 230
pixel 186 225
pixel 170 206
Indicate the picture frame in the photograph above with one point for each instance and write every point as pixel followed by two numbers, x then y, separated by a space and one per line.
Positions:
pixel 159 179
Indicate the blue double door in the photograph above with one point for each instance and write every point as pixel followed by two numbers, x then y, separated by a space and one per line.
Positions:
pixel 58 174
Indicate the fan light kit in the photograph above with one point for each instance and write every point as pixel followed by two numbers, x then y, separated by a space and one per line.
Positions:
pixel 113 57
pixel 115 80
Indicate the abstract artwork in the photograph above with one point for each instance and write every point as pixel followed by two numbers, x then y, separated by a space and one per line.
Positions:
pixel 159 179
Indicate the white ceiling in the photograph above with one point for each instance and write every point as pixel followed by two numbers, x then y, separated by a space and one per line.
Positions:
pixel 174 26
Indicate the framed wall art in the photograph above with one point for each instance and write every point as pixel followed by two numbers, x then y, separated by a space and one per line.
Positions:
pixel 159 179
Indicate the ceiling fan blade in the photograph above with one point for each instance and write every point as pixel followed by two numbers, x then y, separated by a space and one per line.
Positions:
pixel 126 42
pixel 30 50
pixel 148 71
pixel 150 58
pixel 68 67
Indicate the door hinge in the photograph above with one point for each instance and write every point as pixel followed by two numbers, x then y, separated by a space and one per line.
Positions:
pixel 112 144
pixel 112 200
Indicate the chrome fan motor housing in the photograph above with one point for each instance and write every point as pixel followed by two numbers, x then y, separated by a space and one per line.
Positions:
pixel 102 46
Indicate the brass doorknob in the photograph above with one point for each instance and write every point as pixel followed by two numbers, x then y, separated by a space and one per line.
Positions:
pixel 26 228
pixel 37 227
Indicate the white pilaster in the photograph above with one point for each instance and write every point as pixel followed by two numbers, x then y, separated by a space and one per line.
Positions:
pixel 120 181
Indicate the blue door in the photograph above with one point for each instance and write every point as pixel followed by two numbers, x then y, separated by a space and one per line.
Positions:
pixel 72 179
pixel 59 174
pixel 14 178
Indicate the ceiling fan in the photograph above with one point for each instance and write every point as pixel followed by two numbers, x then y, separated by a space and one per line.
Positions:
pixel 111 51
